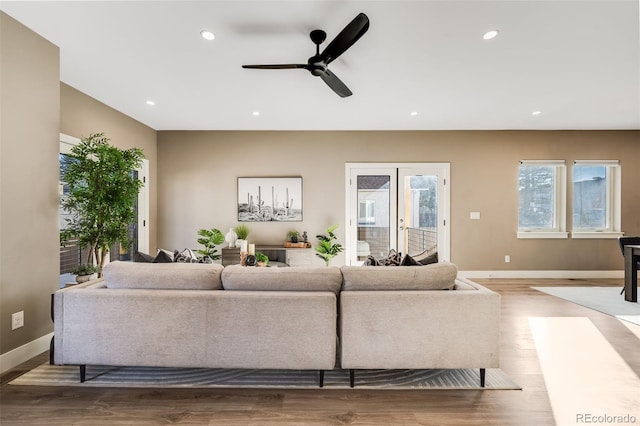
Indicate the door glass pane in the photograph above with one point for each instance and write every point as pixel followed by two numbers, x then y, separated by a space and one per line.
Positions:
pixel 374 227
pixel 421 214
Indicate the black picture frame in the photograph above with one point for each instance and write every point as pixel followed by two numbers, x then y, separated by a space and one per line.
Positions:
pixel 270 199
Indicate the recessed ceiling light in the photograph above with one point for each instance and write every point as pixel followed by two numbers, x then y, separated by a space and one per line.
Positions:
pixel 207 35
pixel 536 113
pixel 413 113
pixel 490 34
pixel 256 113
pixel 151 103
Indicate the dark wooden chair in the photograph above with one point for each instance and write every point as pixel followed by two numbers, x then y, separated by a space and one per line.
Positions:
pixel 628 241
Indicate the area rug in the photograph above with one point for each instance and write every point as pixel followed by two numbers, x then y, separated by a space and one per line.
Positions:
pixel 607 300
pixel 156 377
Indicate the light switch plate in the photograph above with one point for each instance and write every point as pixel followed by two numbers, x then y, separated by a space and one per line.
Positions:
pixel 474 215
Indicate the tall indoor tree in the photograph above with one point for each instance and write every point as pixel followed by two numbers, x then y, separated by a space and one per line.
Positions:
pixel 102 195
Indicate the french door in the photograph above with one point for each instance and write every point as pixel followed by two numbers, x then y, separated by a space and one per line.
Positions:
pixel 403 206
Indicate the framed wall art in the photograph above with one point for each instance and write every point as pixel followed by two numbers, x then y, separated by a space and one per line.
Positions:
pixel 270 199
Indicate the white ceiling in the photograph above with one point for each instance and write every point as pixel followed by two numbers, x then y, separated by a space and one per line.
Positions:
pixel 575 61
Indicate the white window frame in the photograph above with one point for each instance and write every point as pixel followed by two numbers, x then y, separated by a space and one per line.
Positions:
pixel 559 228
pixel 613 225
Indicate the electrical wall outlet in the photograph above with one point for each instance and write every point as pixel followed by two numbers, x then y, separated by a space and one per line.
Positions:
pixel 474 215
pixel 17 320
pixel 507 258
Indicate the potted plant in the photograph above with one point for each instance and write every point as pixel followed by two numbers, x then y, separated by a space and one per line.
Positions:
pixel 103 192
pixel 293 236
pixel 85 272
pixel 262 259
pixel 210 238
pixel 327 249
pixel 242 231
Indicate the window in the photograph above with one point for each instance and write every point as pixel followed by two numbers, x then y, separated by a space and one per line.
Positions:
pixel 367 212
pixel 596 199
pixel 542 199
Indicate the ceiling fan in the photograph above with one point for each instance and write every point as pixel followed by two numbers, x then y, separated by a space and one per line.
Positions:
pixel 318 63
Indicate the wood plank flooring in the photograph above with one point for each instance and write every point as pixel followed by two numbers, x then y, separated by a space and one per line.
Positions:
pixel 32 405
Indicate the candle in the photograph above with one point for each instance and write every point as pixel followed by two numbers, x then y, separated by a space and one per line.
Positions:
pixel 252 249
pixel 243 246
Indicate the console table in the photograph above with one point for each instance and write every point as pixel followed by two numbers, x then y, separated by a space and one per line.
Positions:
pixel 631 259
pixel 278 255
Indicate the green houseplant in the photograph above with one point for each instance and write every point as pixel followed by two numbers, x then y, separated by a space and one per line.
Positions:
pixel 210 238
pixel 328 249
pixel 84 271
pixel 262 259
pixel 242 231
pixel 293 236
pixel 103 192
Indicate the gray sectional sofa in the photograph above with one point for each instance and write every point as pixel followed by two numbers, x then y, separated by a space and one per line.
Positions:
pixel 204 315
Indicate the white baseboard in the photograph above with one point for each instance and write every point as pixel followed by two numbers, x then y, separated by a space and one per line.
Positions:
pixel 543 274
pixel 24 353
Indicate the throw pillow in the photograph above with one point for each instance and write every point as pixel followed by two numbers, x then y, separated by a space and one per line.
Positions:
pixel 163 257
pixel 409 261
pixel 393 259
pixel 426 260
pixel 371 261
pixel 142 257
pixel 185 256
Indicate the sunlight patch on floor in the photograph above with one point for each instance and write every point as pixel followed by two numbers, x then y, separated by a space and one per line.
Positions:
pixel 635 329
pixel 586 378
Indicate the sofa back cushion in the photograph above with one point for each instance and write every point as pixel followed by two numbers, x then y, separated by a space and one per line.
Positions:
pixel 436 276
pixel 163 276
pixel 236 277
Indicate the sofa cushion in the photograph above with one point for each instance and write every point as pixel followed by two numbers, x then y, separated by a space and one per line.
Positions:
pixel 436 276
pixel 163 276
pixel 236 277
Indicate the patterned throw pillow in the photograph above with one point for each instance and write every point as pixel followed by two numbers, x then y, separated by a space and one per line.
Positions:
pixel 185 256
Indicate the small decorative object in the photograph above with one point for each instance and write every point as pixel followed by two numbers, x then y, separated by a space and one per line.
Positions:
pixel 85 272
pixel 305 237
pixel 250 260
pixel 243 258
pixel 327 249
pixel 231 237
pixel 210 238
pixel 273 199
pixel 262 259
pixel 252 249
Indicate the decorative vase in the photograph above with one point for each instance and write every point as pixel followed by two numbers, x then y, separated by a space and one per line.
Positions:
pixel 231 237
pixel 239 242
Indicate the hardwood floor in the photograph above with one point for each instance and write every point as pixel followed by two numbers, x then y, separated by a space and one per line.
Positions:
pixel 34 405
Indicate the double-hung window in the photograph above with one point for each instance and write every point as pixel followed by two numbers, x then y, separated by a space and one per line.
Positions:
pixel 596 199
pixel 542 199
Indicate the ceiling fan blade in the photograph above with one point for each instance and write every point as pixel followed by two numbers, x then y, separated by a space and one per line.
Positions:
pixel 276 66
pixel 336 84
pixel 347 37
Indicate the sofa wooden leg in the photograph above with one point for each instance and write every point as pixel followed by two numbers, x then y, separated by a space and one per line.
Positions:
pixel 83 373
pixel 352 377
pixel 482 376
pixel 321 378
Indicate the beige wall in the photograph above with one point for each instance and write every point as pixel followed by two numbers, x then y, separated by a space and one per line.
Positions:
pixel 197 186
pixel 81 115
pixel 29 122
